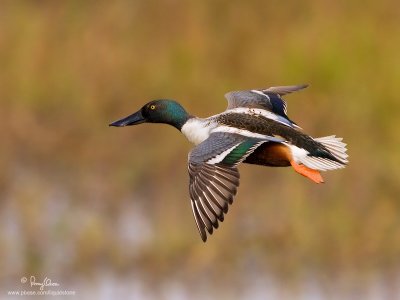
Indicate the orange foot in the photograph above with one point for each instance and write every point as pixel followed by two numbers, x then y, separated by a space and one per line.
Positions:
pixel 312 174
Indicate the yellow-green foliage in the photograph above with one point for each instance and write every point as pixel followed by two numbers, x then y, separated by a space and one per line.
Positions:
pixel 77 195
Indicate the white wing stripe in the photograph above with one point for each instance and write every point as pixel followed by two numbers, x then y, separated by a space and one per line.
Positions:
pixel 220 157
pixel 246 133
pixel 258 111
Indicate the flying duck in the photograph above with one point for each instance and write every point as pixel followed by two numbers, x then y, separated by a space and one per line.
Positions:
pixel 254 129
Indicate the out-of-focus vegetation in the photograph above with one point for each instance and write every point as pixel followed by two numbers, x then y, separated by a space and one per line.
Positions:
pixel 78 198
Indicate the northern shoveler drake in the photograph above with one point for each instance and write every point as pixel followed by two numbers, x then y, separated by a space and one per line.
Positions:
pixel 254 129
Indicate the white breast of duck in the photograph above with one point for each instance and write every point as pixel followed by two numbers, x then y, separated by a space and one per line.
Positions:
pixel 197 130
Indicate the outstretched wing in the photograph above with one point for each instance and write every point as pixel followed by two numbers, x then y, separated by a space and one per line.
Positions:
pixel 214 177
pixel 269 99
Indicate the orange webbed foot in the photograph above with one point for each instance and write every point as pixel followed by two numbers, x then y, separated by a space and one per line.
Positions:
pixel 311 174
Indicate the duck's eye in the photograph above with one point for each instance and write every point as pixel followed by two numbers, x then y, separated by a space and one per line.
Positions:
pixel 152 107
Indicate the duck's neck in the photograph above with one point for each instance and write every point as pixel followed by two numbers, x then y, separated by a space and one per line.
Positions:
pixel 176 116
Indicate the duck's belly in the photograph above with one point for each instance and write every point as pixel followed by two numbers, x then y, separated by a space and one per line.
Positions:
pixel 270 154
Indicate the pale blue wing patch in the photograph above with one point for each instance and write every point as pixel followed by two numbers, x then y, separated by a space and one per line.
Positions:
pixel 259 97
pixel 269 99
pixel 248 99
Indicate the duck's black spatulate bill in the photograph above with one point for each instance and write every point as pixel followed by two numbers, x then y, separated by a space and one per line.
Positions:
pixel 133 119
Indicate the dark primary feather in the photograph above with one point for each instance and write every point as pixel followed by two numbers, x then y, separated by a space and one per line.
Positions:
pixel 211 189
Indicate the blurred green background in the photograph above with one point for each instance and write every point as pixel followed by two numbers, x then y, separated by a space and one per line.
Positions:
pixel 105 211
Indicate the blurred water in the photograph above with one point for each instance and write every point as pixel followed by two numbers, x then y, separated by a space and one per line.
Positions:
pixel 107 286
pixel 252 286
pixel 133 230
pixel 134 233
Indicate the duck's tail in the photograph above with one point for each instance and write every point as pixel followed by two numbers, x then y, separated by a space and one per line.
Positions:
pixel 337 160
pixel 336 147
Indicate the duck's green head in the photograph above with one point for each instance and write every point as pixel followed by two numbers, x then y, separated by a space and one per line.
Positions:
pixel 157 111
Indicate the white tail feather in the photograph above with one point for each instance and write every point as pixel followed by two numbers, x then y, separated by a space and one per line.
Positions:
pixel 335 146
pixel 338 150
